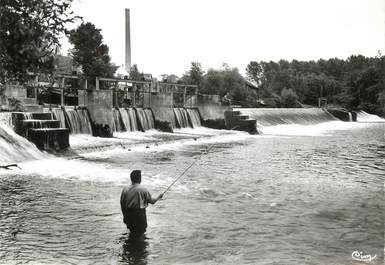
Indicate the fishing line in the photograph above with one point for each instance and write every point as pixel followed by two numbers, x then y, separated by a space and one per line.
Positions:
pixel 187 168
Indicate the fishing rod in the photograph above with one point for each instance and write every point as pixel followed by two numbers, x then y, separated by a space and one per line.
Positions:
pixel 187 168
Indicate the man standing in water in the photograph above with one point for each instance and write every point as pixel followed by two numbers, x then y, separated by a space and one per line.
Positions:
pixel 133 202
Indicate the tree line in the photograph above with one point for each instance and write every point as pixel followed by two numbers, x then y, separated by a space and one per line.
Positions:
pixel 355 83
pixel 30 33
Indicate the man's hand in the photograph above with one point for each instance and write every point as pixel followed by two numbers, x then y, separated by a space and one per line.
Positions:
pixel 160 196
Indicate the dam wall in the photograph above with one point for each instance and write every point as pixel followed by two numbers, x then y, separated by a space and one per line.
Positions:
pixel 162 108
pixel 210 107
pixel 278 116
pixel 99 105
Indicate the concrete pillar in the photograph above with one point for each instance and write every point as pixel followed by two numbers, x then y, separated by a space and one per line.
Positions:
pixel 62 83
pixel 36 89
pixel 115 94
pixel 97 83
pixel 149 94
pixel 172 95
pixel 184 96
pixel 134 94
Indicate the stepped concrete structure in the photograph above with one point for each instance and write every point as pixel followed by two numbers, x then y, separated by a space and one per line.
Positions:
pixel 234 120
pixel 343 114
pixel 41 129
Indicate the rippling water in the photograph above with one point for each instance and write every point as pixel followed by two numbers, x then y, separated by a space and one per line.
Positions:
pixel 272 199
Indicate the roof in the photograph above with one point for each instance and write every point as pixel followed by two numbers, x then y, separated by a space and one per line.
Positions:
pixel 252 84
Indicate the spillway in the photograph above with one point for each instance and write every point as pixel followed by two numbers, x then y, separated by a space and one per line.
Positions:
pixel 145 118
pixel 59 115
pixel 15 148
pixel 78 120
pixel 194 116
pixel 181 118
pixel 131 120
pixel 363 116
pixel 278 116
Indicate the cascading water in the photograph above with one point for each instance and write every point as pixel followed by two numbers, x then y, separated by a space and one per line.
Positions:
pixel 142 118
pixel 279 116
pixel 363 116
pixel 150 118
pixel 59 115
pixel 5 118
pixel 145 118
pixel 181 117
pixel 194 117
pixel 79 121
pixel 85 121
pixel 133 120
pixel 118 127
pixel 15 148
pixel 125 120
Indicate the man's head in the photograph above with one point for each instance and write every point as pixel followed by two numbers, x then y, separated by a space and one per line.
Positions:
pixel 136 176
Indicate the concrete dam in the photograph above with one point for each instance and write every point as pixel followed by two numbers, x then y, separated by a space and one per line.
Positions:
pixel 144 107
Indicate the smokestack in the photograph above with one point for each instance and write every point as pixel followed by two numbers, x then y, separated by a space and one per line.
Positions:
pixel 127 65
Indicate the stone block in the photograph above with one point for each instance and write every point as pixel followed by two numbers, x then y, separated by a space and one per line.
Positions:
pixel 51 139
pixel 23 126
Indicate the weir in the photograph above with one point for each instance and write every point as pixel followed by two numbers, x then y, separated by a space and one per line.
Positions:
pixel 59 115
pixel 181 118
pixel 117 121
pixel 195 117
pixel 276 116
pixel 145 118
pixel 187 117
pixel 133 119
pixel 128 118
pixel 15 148
pixel 41 129
pixel 78 120
pixel 363 116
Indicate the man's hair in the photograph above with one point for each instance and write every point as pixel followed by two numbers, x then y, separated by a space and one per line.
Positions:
pixel 136 176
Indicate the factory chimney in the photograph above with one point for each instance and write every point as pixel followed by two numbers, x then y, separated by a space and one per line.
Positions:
pixel 127 65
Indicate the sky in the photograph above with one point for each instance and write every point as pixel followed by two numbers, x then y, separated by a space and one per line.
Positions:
pixel 167 35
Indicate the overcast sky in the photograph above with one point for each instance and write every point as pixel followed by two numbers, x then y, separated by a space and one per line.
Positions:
pixel 166 35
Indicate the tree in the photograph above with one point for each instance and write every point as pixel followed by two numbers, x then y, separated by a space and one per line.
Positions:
pixel 227 79
pixel 135 74
pixel 254 72
pixel 90 53
pixel 288 98
pixel 29 35
pixel 194 76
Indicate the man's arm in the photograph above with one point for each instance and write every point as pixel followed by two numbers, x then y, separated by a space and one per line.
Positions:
pixel 154 200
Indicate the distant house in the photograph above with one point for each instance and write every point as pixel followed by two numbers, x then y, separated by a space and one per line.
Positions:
pixel 253 86
pixel 147 77
pixel 262 100
pixel 121 72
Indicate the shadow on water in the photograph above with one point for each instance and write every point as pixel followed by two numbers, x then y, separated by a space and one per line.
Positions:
pixel 134 250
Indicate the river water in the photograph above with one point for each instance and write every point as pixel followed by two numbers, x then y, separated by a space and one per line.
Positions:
pixel 294 195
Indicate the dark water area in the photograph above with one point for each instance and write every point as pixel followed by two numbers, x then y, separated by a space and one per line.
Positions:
pixel 267 199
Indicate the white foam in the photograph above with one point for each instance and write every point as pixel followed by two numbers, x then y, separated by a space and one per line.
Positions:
pixel 14 148
pixel 309 130
pixel 224 137
pixel 80 140
pixel 363 116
